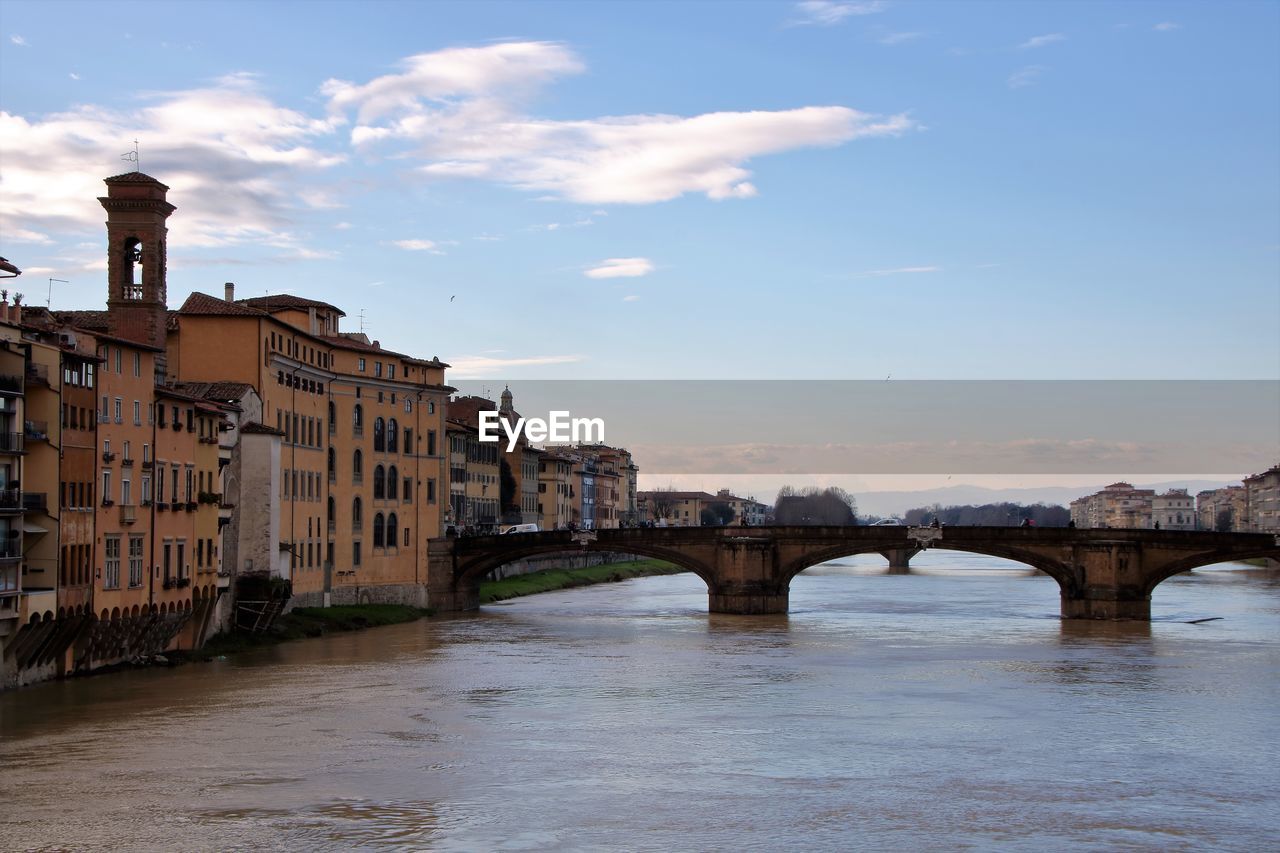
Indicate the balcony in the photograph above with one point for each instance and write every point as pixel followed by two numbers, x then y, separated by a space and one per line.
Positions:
pixel 36 430
pixel 38 374
pixel 10 499
pixel 11 549
pixel 104 418
pixel 35 501
pixel 148 464
pixel 126 463
pixel 108 456
pixel 10 384
pixel 128 513
pixel 11 442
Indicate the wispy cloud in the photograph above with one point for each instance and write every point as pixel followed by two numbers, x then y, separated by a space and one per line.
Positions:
pixel 18 40
pixel 620 268
pixel 1041 41
pixel 418 246
pixel 459 112
pixel 631 298
pixel 900 38
pixel 1024 77
pixel 896 271
pixel 477 366
pixel 73 75
pixel 1166 26
pixel 24 235
pixel 238 161
pixel 828 13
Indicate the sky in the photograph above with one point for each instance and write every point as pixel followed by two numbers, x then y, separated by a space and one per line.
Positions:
pixel 681 190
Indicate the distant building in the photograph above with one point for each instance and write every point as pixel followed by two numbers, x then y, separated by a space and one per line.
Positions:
pixel 1174 510
pixel 1119 505
pixel 1263 498
pixel 1226 507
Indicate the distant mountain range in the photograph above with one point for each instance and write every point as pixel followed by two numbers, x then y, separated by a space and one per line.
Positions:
pixel 897 503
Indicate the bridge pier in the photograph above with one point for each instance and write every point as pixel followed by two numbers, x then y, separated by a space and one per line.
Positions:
pixel 899 559
pixel 1106 604
pixel 747 600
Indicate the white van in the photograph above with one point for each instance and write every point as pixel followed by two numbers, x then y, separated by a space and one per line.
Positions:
pixel 521 528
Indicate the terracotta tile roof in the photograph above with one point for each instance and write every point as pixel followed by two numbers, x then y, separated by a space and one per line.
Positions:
pixel 206 305
pixel 678 496
pixel 285 301
pixel 260 429
pixel 132 178
pixel 222 392
pixel 90 321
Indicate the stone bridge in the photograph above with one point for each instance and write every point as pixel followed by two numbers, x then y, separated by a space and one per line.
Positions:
pixel 1102 574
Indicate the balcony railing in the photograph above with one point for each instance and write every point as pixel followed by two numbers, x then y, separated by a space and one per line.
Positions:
pixel 108 456
pixel 10 384
pixel 126 462
pixel 36 430
pixel 10 549
pixel 10 498
pixel 11 442
pixel 35 501
pixel 128 513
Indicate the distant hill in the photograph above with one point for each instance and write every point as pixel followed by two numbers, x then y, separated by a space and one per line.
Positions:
pixel 897 503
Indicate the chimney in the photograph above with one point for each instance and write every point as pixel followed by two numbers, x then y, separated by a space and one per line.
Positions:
pixel 229 291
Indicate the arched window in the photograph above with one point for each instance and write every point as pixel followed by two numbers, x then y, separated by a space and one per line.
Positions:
pixel 393 482
pixel 131 280
pixel 357 419
pixel 333 465
pixel 378 539
pixel 379 483
pixel 393 435
pixel 379 435
pixel 357 515
pixel 333 512
pixel 357 466
pixel 392 538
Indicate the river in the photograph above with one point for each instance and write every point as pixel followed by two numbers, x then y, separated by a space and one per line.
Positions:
pixel 946 709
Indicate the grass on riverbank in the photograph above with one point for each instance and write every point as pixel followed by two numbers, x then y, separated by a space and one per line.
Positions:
pixel 553 579
pixel 312 622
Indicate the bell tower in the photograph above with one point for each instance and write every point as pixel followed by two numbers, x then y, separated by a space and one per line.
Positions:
pixel 136 256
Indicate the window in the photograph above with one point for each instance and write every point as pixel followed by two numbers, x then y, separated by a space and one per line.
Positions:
pixel 379 534
pixel 431 407
pixel 406 493
pixel 333 418
pixel 392 530
pixel 357 466
pixel 137 413
pixel 119 353
pixel 377 368
pixel 119 411
pixel 357 515
pixel 135 562
pixel 393 482
pixel 408 405
pixel 379 483
pixel 137 364
pixel 406 537
pixel 333 465
pixel 106 488
pixel 379 435
pixel 431 442
pixel 391 371
pixel 355 553
pixel 431 490
pixel 361 366
pixel 408 442
pixel 393 436
pixel 331 512
pixel 357 418
pixel 160 483
pixel 111 573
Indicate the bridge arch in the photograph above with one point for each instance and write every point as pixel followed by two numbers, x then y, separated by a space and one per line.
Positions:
pixel 476 569
pixel 1196 561
pixel 1056 569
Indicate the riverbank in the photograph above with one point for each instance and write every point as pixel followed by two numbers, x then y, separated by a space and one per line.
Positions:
pixel 303 622
pixel 549 580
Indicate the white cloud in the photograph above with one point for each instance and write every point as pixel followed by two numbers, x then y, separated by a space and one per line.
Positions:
pixel 1166 26
pixel 475 366
pixel 621 268
pixel 417 246
pixel 23 235
pixel 897 271
pixel 1041 41
pixel 900 38
pixel 458 110
pixel 233 159
pixel 631 298
pixel 73 75
pixel 828 13
pixel 19 40
pixel 1024 77
pixel 342 226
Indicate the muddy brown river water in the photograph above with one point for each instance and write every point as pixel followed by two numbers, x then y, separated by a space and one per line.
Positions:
pixel 946 709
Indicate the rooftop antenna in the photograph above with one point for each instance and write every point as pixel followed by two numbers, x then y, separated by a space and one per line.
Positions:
pixel 133 157
pixel 362 321
pixel 49 299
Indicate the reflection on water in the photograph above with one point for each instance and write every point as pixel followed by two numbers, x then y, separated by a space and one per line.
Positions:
pixel 945 708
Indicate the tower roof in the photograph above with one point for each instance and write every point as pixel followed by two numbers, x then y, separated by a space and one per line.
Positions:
pixel 133 178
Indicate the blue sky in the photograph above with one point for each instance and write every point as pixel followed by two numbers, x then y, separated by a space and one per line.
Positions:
pixel 683 190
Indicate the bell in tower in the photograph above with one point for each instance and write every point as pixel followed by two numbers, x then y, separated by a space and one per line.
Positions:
pixel 136 231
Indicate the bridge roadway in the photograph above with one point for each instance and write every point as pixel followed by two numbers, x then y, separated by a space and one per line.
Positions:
pixel 1102 573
